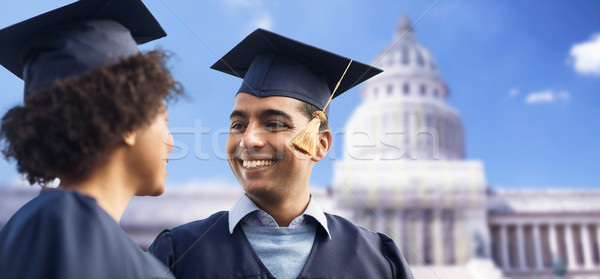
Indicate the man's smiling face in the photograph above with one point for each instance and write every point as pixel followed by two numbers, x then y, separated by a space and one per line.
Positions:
pixel 258 145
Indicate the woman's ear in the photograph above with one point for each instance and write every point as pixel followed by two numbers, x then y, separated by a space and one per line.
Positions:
pixel 129 138
pixel 325 140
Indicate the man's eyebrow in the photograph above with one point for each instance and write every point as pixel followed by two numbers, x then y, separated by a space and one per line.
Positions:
pixel 274 112
pixel 238 113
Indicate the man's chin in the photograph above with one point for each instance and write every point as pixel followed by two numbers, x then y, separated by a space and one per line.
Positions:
pixel 254 188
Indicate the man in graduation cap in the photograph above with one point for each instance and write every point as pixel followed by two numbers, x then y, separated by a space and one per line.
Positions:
pixel 93 116
pixel 278 131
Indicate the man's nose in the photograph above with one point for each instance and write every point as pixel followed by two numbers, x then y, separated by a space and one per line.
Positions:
pixel 253 138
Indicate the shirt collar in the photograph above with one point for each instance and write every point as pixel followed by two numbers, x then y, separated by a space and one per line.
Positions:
pixel 245 206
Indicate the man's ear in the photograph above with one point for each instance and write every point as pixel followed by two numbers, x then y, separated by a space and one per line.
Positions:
pixel 325 141
pixel 129 138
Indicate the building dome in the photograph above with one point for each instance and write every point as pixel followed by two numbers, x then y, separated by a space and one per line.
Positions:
pixel 406 58
pixel 404 114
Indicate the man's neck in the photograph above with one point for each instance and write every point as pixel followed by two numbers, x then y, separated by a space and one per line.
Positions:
pixel 284 211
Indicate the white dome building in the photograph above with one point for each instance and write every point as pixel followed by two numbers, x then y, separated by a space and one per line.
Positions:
pixel 404 172
pixel 404 112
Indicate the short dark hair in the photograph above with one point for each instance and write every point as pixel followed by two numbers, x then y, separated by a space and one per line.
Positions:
pixel 308 110
pixel 66 128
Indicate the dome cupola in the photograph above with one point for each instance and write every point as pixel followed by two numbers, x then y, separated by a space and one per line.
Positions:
pixel 404 114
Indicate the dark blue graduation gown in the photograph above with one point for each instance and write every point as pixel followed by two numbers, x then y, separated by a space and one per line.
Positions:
pixel 206 249
pixel 63 234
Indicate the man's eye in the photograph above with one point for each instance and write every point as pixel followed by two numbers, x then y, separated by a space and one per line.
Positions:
pixel 275 125
pixel 236 126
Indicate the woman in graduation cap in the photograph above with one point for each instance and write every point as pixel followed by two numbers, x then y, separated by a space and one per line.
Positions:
pixel 94 117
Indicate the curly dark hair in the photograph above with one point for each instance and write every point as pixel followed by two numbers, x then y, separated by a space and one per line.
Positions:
pixel 66 128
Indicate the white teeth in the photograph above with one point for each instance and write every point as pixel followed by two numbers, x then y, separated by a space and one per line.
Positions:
pixel 257 163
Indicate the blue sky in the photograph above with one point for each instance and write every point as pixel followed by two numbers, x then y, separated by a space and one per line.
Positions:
pixel 530 108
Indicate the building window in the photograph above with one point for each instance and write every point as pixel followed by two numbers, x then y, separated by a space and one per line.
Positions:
pixel 406 89
pixel 420 60
pixel 429 121
pixel 390 90
pixel 435 93
pixel 422 90
pixel 405 56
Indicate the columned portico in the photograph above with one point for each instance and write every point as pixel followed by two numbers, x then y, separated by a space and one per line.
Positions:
pixel 438 245
pixel 598 241
pixel 571 260
pixel 459 239
pixel 521 247
pixel 417 245
pixel 587 247
pixel 553 243
pixel 569 241
pixel 504 247
pixel 537 246
pixel 425 236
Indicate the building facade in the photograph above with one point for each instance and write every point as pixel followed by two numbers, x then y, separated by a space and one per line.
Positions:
pixel 405 174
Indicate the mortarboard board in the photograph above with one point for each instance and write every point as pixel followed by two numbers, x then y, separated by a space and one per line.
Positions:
pixel 274 65
pixel 75 39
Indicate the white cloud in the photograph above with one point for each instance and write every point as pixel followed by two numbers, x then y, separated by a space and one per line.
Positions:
pixel 255 13
pixel 513 92
pixel 263 20
pixel 547 96
pixel 585 56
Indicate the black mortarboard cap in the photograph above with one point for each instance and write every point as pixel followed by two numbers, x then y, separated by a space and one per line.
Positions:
pixel 273 65
pixel 75 39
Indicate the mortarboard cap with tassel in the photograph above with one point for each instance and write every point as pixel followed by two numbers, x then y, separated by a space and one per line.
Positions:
pixel 274 65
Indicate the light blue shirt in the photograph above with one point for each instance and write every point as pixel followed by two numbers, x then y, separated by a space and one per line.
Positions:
pixel 283 251
pixel 246 211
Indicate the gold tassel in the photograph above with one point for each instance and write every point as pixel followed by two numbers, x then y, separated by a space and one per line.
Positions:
pixel 306 140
